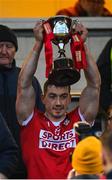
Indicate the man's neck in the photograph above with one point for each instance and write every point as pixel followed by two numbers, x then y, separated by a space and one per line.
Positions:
pixel 54 119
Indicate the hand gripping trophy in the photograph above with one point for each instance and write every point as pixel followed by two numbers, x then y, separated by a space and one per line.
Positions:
pixel 63 70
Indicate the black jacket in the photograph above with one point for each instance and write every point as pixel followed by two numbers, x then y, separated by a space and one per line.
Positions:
pixel 104 66
pixel 109 175
pixel 8 93
pixel 8 150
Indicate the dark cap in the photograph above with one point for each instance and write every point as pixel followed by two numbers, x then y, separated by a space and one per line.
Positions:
pixel 6 34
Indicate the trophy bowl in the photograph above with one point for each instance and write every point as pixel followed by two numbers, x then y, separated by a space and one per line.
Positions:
pixel 61 27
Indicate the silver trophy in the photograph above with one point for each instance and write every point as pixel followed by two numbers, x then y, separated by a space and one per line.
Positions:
pixel 63 70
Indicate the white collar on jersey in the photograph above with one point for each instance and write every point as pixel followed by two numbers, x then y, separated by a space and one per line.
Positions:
pixel 56 123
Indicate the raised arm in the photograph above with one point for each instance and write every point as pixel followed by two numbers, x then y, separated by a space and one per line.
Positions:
pixel 89 100
pixel 25 92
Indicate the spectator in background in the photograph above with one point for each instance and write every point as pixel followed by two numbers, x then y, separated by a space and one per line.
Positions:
pixel 109 118
pixel 107 153
pixel 86 8
pixel 8 86
pixel 87 160
pixel 108 121
pixel 104 63
pixel 8 151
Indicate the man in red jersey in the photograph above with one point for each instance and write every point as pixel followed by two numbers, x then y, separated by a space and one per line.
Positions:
pixel 48 139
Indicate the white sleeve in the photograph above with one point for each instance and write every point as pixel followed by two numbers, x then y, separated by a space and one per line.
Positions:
pixel 82 118
pixel 26 121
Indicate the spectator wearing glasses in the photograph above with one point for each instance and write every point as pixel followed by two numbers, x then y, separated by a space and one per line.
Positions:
pixel 86 8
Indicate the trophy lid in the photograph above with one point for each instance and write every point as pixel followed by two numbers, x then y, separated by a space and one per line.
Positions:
pixel 64 74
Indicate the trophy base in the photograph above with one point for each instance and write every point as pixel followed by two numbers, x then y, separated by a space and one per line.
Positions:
pixel 64 77
pixel 63 73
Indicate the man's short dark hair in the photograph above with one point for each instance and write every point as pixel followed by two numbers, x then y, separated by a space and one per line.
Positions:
pixel 48 83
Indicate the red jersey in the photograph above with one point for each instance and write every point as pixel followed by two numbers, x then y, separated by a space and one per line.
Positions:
pixel 46 148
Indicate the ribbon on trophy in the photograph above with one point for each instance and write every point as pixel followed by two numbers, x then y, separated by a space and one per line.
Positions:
pixel 76 44
pixel 78 51
pixel 48 37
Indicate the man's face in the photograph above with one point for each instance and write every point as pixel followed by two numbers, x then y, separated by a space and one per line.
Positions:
pixel 56 101
pixel 93 7
pixel 7 53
